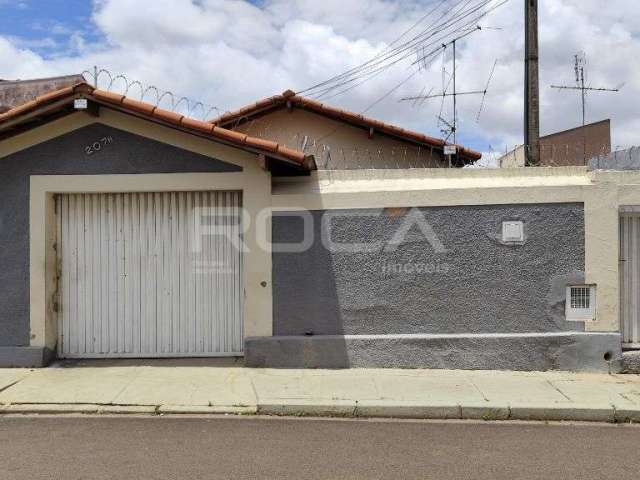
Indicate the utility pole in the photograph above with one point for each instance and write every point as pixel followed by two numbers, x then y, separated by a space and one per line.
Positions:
pixel 455 98
pixel 531 85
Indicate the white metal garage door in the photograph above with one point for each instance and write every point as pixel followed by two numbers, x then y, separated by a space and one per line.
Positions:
pixel 630 278
pixel 135 282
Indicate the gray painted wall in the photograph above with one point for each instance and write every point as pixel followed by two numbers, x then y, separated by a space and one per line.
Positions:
pixel 66 155
pixel 480 285
pixel 574 351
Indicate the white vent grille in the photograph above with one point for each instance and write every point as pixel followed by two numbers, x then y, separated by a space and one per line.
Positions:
pixel 513 232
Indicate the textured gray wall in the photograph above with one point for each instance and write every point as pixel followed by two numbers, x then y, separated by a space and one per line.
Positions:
pixel 482 285
pixel 66 155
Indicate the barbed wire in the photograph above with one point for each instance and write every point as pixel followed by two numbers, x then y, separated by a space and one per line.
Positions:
pixel 120 83
pixel 336 157
pixel 339 156
pixel 592 154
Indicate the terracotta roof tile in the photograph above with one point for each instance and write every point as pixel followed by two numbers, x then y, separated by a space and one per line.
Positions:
pixel 229 134
pixel 153 113
pixel 245 113
pixel 168 116
pixel 197 125
pixel 55 94
pixel 287 151
pixel 108 96
pixel 142 107
pixel 18 110
pixel 262 143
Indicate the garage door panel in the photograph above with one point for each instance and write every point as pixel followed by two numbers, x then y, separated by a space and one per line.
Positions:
pixel 630 278
pixel 131 284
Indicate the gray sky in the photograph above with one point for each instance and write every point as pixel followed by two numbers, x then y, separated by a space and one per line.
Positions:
pixel 230 52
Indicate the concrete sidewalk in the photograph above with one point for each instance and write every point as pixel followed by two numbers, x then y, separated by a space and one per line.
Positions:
pixel 170 387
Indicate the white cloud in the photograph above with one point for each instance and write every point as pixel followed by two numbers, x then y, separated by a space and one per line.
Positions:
pixel 232 52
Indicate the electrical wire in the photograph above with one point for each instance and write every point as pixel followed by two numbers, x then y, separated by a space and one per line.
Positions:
pixel 372 73
pixel 451 25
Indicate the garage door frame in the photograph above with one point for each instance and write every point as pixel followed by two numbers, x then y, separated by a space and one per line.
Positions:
pixel 253 183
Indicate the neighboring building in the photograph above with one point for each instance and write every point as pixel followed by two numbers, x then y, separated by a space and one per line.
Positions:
pixel 574 147
pixel 122 228
pixel 340 139
pixel 17 92
pixel 514 159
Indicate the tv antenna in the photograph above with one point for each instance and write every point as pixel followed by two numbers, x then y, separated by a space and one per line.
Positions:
pixel 451 127
pixel 580 62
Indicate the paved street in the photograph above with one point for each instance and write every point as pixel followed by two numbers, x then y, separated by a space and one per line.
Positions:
pixel 187 448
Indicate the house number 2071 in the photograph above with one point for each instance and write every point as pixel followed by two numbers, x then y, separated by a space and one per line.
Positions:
pixel 98 145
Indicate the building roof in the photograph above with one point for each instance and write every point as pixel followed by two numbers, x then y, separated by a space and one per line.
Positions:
pixel 61 101
pixel 587 126
pixel 14 93
pixel 74 78
pixel 290 100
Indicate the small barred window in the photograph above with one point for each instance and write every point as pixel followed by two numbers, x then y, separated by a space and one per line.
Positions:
pixel 581 301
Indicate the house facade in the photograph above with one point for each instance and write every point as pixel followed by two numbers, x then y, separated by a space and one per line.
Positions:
pixel 129 231
pixel 339 139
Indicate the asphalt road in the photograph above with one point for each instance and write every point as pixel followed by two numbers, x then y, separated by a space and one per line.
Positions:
pixel 237 448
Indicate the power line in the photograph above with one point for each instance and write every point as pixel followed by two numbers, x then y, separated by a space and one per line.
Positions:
pixel 378 101
pixel 385 54
pixel 460 21
pixel 376 72
pixel 395 87
pixel 452 127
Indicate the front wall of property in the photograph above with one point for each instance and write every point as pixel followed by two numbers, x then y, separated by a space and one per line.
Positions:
pixel 96 149
pixel 478 285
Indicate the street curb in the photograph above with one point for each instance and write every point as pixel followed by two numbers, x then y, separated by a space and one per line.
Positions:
pixel 485 412
pixel 94 409
pixel 205 410
pixel 563 413
pixel 478 411
pixel 626 415
pixel 338 408
pixel 409 410
pixel 354 409
pixel 54 409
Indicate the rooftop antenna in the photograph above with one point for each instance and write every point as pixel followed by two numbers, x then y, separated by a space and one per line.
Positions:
pixel 579 69
pixel 451 129
pixel 580 62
